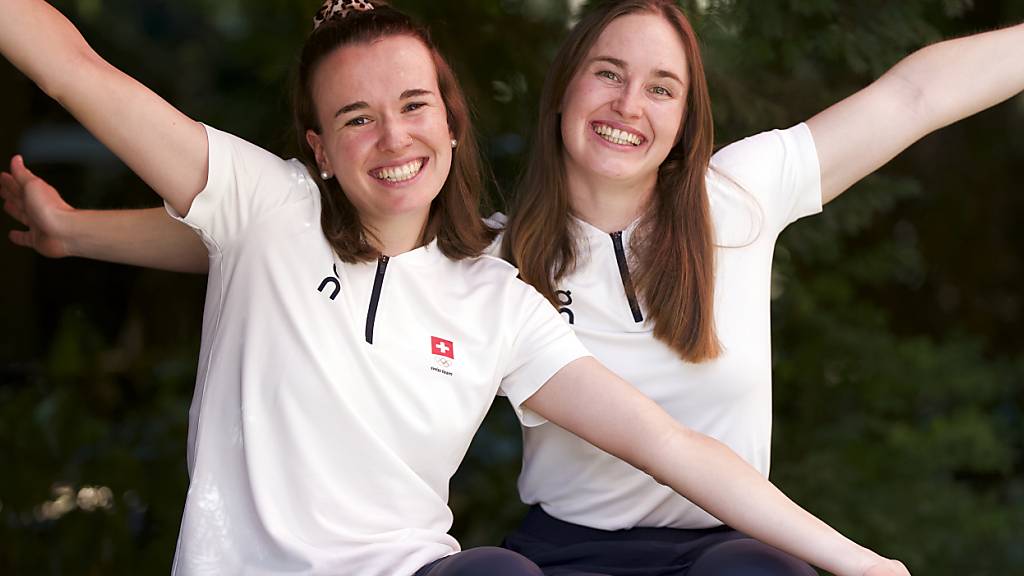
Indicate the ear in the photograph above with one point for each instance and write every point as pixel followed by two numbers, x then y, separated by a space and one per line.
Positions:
pixel 316 143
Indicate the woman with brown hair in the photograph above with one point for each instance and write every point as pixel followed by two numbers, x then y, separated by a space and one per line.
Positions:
pixel 659 255
pixel 335 396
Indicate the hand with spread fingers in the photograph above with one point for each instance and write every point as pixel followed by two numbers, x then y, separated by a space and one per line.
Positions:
pixel 36 205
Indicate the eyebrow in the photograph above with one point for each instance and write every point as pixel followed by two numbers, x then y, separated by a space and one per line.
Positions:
pixel 361 105
pixel 622 64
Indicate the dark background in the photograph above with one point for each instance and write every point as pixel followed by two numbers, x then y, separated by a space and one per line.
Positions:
pixel 899 381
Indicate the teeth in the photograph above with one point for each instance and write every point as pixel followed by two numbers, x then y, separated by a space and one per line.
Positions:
pixel 399 173
pixel 616 136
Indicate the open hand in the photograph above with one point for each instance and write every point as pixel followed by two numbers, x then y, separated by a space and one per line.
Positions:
pixel 38 206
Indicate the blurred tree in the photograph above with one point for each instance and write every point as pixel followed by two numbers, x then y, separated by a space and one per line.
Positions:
pixel 898 368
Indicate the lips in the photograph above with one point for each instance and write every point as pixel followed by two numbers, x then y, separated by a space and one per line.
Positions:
pixel 400 172
pixel 619 136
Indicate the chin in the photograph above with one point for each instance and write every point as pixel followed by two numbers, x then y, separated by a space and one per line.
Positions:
pixel 410 207
pixel 617 172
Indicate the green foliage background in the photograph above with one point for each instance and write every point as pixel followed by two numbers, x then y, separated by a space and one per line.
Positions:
pixel 899 381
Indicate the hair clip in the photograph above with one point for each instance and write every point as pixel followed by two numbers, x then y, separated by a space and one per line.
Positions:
pixel 340 9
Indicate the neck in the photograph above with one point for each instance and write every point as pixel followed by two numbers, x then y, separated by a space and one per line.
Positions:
pixel 608 205
pixel 399 234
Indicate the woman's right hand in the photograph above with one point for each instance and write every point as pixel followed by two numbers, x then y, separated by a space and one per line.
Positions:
pixel 146 237
pixel 35 204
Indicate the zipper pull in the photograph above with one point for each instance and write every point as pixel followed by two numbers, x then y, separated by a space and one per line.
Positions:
pixel 378 282
pixel 627 282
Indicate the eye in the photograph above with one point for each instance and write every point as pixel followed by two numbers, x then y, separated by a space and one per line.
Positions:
pixel 358 121
pixel 660 91
pixel 413 106
pixel 608 75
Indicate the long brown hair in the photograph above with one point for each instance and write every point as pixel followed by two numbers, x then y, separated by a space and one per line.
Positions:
pixel 454 217
pixel 674 244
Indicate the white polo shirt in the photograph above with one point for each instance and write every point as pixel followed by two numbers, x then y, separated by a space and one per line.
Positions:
pixel 335 401
pixel 729 398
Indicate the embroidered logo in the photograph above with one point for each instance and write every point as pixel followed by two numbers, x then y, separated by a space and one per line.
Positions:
pixel 565 300
pixel 443 352
pixel 331 281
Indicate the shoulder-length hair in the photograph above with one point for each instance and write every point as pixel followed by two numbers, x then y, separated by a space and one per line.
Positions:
pixel 454 218
pixel 674 245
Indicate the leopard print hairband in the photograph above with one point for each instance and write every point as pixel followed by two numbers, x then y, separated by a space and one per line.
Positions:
pixel 339 9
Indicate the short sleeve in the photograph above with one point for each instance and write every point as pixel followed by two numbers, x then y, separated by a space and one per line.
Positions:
pixel 245 184
pixel 779 168
pixel 543 345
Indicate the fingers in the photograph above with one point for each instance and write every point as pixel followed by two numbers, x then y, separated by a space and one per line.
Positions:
pixel 17 212
pixel 21 238
pixel 10 192
pixel 22 175
pixel 8 187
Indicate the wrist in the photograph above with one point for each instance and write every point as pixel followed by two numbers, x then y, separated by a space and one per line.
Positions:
pixel 65 223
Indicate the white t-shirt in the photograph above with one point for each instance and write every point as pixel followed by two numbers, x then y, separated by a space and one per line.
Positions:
pixel 728 398
pixel 335 401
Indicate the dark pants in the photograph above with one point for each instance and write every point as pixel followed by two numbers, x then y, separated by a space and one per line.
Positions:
pixel 484 561
pixel 564 549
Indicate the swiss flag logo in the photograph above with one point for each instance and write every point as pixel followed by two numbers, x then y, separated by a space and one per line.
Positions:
pixel 442 347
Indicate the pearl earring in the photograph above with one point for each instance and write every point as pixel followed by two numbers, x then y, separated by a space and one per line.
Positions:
pixel 454 142
pixel 324 175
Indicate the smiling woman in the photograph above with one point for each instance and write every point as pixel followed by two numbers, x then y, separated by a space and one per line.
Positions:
pixel 387 141
pixel 623 113
pixel 310 449
pixel 392 154
pixel 633 67
pixel 660 254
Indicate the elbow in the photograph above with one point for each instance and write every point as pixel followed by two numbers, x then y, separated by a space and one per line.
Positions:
pixel 907 92
pixel 676 446
pixel 918 95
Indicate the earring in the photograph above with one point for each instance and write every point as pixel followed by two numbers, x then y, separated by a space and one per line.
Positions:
pixel 324 175
pixel 454 142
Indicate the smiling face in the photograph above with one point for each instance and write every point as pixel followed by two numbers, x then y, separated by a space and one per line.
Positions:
pixel 623 111
pixel 385 133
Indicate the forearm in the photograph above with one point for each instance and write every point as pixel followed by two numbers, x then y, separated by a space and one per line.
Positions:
pixel 591 402
pixel 957 78
pixel 715 478
pixel 148 238
pixel 929 89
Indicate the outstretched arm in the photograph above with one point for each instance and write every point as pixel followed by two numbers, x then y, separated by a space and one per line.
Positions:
pixel 588 400
pixel 929 89
pixel 160 144
pixel 149 237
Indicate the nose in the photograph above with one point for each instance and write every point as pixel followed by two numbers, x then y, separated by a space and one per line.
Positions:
pixel 629 103
pixel 394 136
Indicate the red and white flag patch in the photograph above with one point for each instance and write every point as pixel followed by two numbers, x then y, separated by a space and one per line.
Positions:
pixel 442 347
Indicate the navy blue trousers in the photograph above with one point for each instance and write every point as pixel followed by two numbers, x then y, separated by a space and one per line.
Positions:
pixel 564 549
pixel 484 561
